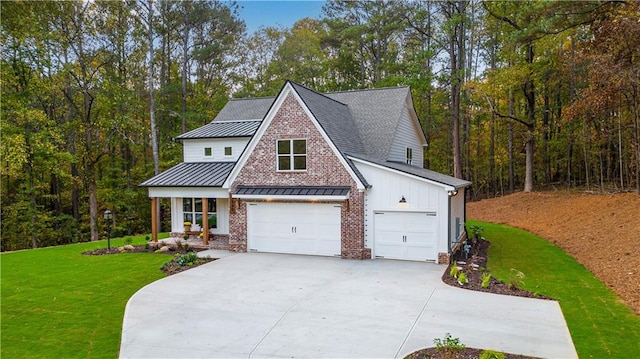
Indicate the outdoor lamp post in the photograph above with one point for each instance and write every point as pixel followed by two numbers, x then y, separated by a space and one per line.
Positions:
pixel 107 218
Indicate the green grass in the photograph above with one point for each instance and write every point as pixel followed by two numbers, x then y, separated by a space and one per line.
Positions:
pixel 600 324
pixel 57 303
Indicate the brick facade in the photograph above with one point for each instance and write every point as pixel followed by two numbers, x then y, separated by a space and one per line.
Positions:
pixel 323 169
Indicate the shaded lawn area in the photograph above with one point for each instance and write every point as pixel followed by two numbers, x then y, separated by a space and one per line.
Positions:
pixel 601 325
pixel 58 303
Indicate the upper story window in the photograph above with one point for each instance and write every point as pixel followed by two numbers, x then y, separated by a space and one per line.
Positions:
pixel 409 155
pixel 227 151
pixel 292 155
pixel 207 151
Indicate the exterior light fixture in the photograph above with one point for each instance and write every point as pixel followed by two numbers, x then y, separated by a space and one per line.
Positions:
pixel 108 217
pixel 402 203
pixel 453 193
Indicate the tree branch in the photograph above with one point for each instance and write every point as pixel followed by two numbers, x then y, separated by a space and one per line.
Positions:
pixel 501 115
pixel 499 17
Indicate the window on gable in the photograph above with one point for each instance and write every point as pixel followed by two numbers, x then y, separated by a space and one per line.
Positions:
pixel 207 151
pixel 409 155
pixel 227 151
pixel 292 155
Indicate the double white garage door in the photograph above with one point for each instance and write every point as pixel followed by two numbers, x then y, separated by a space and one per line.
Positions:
pixel 294 228
pixel 315 229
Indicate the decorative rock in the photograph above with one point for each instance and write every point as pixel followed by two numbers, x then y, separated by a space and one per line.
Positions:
pixel 164 249
pixel 121 249
pixel 129 247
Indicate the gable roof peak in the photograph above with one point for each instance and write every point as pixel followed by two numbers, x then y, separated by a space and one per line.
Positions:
pixel 297 86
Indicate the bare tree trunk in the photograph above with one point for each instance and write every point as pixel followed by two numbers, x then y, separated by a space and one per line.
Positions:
pixel 585 136
pixel 152 105
pixel 636 119
pixel 185 64
pixel 546 118
pixel 512 106
pixel 530 97
pixel 620 144
pixel 456 58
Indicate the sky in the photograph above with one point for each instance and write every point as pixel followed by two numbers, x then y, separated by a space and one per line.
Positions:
pixel 258 13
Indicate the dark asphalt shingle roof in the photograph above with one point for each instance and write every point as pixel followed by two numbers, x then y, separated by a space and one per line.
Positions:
pixel 245 109
pixel 358 122
pixel 334 117
pixel 376 114
pixel 192 174
pixel 419 172
pixel 219 129
pixel 293 190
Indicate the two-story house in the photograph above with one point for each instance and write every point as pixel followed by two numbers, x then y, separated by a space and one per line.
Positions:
pixel 336 174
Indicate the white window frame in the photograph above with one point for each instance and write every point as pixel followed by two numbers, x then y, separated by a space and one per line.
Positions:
pixel 192 214
pixel 291 156
pixel 409 155
pixel 230 151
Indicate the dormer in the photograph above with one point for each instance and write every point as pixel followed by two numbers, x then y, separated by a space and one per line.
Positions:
pixel 218 141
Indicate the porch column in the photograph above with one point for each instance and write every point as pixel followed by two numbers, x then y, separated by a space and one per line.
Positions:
pixel 205 221
pixel 154 219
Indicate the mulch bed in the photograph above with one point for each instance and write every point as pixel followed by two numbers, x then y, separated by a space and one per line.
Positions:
pixel 467 353
pixel 169 268
pixel 474 265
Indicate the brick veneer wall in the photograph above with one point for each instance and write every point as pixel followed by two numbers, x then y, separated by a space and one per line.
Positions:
pixel 323 169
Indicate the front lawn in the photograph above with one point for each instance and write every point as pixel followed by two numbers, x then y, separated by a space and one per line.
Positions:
pixel 58 303
pixel 600 324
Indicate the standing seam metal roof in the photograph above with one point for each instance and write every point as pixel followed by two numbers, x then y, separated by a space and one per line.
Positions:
pixel 223 129
pixel 293 190
pixel 192 174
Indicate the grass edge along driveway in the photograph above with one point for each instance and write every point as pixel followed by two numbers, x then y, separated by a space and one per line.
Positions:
pixel 601 325
pixel 58 303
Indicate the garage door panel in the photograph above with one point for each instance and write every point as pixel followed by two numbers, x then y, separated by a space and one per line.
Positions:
pixel 301 228
pixel 405 235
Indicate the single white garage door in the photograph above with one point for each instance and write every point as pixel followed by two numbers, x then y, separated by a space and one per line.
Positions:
pixel 294 228
pixel 405 235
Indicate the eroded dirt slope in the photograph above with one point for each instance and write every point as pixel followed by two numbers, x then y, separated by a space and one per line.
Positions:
pixel 602 231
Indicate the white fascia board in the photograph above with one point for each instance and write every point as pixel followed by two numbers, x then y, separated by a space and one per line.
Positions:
pixel 188 192
pixel 326 138
pixel 291 198
pixel 444 186
pixel 258 135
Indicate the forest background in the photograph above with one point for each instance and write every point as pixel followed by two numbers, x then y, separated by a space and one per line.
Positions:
pixel 511 95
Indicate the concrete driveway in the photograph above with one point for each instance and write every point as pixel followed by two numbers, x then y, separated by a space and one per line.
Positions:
pixel 258 305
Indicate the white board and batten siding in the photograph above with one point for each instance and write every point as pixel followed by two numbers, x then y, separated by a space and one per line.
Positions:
pixel 194 149
pixel 426 204
pixel 407 136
